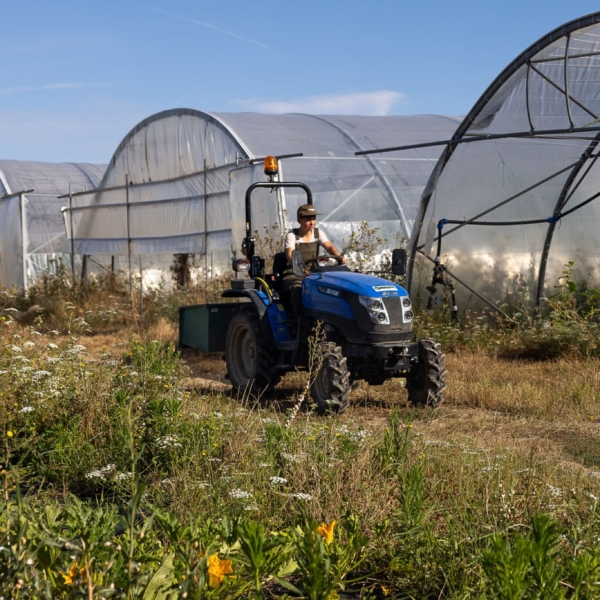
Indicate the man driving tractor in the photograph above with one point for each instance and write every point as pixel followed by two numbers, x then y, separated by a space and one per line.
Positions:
pixel 307 238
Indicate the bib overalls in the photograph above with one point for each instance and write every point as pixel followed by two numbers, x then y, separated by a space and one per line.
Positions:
pixel 292 283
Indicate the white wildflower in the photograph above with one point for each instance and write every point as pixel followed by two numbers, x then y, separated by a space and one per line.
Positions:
pixel 78 347
pixel 35 333
pixel 554 491
pixel 278 480
pixel 53 359
pixel 168 441
pixel 111 363
pixel 40 374
pixel 240 494
pixel 123 476
pixel 26 409
pixel 101 474
pixel 290 457
pixel 51 346
pixel 29 344
pixel 301 496
pixel 14 348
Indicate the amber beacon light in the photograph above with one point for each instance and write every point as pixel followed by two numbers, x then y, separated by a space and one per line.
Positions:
pixel 271 167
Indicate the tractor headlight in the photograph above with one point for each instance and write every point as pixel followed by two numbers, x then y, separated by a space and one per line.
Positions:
pixel 376 309
pixel 407 313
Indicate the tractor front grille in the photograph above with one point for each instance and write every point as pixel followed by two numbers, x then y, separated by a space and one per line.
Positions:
pixel 393 306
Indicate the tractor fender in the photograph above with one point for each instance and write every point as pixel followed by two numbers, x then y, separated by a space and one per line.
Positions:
pixel 259 305
pixel 260 308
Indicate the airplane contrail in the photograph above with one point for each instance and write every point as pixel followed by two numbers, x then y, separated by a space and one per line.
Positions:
pixel 203 24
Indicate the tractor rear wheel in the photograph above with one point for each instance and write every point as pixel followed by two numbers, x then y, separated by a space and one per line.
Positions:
pixel 249 359
pixel 331 386
pixel 426 381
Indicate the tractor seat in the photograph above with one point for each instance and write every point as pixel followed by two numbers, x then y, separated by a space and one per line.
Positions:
pixel 280 264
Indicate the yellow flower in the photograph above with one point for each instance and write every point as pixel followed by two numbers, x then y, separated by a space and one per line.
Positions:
pixel 9 434
pixel 72 574
pixel 326 531
pixel 217 569
pixel 385 591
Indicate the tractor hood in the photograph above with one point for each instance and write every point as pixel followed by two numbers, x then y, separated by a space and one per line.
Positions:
pixel 358 283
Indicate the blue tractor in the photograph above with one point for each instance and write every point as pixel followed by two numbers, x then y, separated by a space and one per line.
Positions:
pixel 365 331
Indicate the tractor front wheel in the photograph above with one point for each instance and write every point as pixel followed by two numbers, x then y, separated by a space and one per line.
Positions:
pixel 426 381
pixel 248 357
pixel 331 386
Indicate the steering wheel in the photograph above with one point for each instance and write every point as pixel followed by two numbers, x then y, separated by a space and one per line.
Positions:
pixel 312 262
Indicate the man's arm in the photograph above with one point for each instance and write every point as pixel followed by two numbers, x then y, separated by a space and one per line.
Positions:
pixel 288 255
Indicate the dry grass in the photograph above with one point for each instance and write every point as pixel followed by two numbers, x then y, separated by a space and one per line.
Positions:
pixel 548 408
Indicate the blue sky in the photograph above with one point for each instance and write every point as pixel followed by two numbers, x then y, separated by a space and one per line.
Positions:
pixel 78 75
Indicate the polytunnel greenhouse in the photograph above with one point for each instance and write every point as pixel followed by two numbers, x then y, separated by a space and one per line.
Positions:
pixel 176 183
pixel 515 195
pixel 32 231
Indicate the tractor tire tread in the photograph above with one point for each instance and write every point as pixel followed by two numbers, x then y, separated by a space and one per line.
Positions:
pixel 426 382
pixel 266 377
pixel 339 380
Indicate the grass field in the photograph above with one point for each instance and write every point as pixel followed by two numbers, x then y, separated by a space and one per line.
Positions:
pixel 131 472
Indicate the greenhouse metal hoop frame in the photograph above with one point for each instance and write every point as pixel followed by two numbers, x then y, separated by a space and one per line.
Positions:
pixel 461 136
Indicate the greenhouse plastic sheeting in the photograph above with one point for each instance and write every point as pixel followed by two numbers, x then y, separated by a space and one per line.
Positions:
pixel 44 223
pixel 537 160
pixel 187 173
pixel 11 243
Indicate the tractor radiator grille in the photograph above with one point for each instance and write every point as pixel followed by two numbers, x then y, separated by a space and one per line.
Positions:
pixel 394 309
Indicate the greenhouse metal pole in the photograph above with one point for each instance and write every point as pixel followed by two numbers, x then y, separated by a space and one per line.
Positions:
pixel 24 238
pixel 72 236
pixel 467 139
pixel 205 237
pixel 566 193
pixel 510 199
pixel 141 288
pixel 128 235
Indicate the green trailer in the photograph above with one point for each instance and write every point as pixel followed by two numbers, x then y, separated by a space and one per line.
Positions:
pixel 204 326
